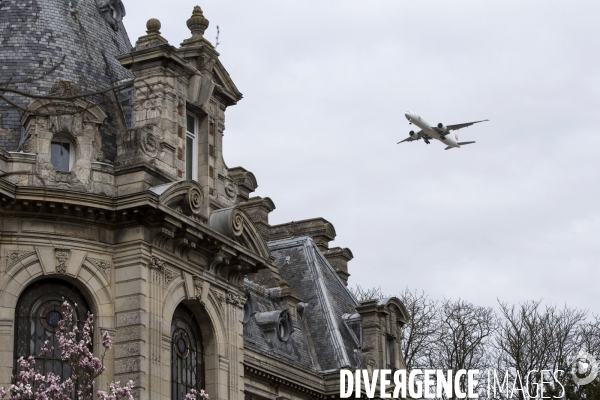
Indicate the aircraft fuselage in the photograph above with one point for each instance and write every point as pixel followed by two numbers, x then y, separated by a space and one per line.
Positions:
pixel 449 139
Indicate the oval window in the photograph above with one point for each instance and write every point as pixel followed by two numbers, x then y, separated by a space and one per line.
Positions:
pixel 284 326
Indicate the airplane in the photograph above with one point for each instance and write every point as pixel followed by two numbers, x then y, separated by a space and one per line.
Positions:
pixel 439 132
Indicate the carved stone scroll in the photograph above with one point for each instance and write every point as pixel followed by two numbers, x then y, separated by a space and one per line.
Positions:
pixel 237 225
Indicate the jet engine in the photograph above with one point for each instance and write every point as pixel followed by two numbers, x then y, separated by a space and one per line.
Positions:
pixel 442 127
pixel 412 133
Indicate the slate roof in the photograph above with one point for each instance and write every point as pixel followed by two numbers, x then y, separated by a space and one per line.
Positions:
pixel 295 350
pixel 35 35
pixel 325 299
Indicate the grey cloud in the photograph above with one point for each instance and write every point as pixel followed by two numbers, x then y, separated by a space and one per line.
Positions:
pixel 325 85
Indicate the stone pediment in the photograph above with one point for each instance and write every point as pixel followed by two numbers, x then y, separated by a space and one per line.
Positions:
pixel 224 83
pixel 68 109
pixel 185 197
pixel 237 225
pixel 400 311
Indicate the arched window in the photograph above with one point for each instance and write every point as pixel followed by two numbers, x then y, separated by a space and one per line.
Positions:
pixel 187 354
pixel 38 312
pixel 62 152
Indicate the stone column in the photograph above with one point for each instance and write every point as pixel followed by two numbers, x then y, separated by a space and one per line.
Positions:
pixel 155 296
pixel 234 302
pixel 131 290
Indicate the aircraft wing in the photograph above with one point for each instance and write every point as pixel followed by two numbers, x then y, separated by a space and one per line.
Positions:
pixel 417 136
pixel 460 126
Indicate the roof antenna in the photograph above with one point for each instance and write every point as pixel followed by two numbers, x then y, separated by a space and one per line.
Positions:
pixel 217 39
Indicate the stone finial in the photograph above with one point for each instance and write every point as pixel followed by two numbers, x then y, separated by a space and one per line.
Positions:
pixel 197 23
pixel 153 26
pixel 152 37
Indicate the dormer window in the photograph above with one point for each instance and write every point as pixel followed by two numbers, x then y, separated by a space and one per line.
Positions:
pixel 354 324
pixel 284 326
pixel 191 148
pixel 62 154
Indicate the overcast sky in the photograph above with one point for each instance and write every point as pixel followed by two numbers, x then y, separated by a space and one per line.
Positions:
pixel 326 84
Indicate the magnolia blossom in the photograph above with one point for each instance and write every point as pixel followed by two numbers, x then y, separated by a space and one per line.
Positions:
pixel 195 395
pixel 106 342
pixel 116 392
pixel 75 344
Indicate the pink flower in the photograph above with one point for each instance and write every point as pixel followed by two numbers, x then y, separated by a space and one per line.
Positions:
pixel 106 342
pixel 194 395
pixel 74 344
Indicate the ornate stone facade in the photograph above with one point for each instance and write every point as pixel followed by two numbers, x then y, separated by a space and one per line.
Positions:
pixel 144 220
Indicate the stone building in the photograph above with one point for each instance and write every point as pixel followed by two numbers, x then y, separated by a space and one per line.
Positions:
pixel 114 195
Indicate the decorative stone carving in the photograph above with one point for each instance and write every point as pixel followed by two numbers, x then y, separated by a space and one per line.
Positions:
pixel 197 288
pixel 236 299
pixel 185 197
pixel 102 265
pixel 193 200
pixel 221 258
pixel 368 362
pixel 236 224
pixel 153 37
pixel 157 263
pixel 62 256
pixel 113 11
pixel 160 265
pixel 169 275
pixel 153 26
pixel 65 89
pixel 152 108
pixel 230 190
pixel 26 146
pixel 197 22
pixel 150 138
pixel 69 123
pixel 13 257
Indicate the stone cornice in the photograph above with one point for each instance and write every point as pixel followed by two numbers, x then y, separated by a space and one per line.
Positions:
pixel 45 202
pixel 18 156
pixel 316 385
pixel 164 52
pixel 279 372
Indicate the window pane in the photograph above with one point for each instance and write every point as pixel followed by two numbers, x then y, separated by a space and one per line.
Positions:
pixel 187 355
pixel 37 313
pixel 189 157
pixel 59 155
pixel 191 122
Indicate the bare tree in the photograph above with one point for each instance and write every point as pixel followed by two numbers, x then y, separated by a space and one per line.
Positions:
pixel 532 339
pixel 462 339
pixel 532 345
pixel 419 332
pixel 363 294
